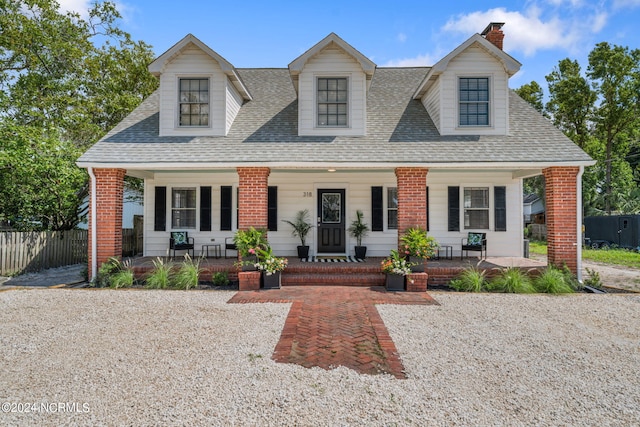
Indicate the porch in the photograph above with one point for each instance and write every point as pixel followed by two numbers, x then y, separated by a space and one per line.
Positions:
pixel 338 271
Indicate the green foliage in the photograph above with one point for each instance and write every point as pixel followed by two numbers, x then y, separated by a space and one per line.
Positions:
pixel 511 280
pixel 220 278
pixel 622 257
pixel 396 264
pixel 358 228
pixel 160 277
pixel 188 275
pixel 115 274
pixel 65 81
pixel 470 280
pixel 571 279
pixel 250 240
pixel 533 94
pixel 552 281
pixel 417 243
pixel 593 279
pixel 301 226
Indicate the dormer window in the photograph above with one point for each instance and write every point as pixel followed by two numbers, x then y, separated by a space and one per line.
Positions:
pixel 474 101
pixel 194 102
pixel 332 100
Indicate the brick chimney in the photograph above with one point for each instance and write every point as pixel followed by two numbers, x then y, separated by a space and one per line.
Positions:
pixel 494 34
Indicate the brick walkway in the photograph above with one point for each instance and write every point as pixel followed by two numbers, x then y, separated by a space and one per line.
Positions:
pixel 337 326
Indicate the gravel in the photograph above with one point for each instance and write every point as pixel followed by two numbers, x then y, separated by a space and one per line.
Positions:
pixel 138 357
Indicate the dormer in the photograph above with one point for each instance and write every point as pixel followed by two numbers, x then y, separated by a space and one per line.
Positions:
pixel 200 91
pixel 332 80
pixel 467 92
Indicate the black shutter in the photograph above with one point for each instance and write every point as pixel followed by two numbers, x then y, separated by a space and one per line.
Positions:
pixel 427 206
pixel 454 208
pixel 205 208
pixel 500 213
pixel 160 210
pixel 272 209
pixel 377 209
pixel 225 207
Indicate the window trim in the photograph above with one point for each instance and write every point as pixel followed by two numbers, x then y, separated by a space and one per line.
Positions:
pixel 170 207
pixel 316 77
pixel 387 208
pixel 464 209
pixel 490 112
pixel 179 79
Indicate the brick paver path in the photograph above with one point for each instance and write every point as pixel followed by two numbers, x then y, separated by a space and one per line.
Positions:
pixel 337 325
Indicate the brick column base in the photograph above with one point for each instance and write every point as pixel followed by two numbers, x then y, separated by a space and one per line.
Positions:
pixel 417 282
pixel 249 280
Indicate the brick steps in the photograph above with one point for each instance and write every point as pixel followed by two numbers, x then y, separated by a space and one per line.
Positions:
pixel 332 279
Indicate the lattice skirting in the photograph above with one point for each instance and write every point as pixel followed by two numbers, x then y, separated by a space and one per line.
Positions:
pixel 332 259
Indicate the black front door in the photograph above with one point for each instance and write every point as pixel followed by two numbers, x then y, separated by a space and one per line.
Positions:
pixel 331 223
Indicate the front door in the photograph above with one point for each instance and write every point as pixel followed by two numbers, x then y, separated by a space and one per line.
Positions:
pixel 331 221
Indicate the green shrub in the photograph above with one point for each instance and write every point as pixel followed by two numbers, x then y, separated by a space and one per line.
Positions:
pixel 160 277
pixel 188 275
pixel 593 279
pixel 106 271
pixel 552 281
pixel 220 278
pixel 512 280
pixel 571 279
pixel 470 280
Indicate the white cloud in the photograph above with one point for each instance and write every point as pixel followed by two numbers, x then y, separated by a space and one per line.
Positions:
pixel 420 60
pixel 622 4
pixel 402 37
pixel 79 6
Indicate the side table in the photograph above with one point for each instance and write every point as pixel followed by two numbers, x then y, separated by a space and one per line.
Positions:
pixel 216 249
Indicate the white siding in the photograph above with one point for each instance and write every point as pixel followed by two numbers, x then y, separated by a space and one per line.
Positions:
pixel 474 62
pixel 192 63
pixel 234 102
pixel 332 62
pixel 431 101
pixel 298 190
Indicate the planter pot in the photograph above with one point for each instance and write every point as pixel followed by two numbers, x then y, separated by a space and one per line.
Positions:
pixel 361 252
pixel 271 281
pixel 251 266
pixel 395 282
pixel 420 264
pixel 303 252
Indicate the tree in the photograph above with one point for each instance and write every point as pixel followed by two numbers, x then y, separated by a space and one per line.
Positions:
pixel 532 93
pixel 615 72
pixel 66 80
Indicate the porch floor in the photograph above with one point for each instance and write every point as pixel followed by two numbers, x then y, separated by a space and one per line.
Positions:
pixel 365 273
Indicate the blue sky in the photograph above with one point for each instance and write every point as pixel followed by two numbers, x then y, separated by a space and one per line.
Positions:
pixel 538 33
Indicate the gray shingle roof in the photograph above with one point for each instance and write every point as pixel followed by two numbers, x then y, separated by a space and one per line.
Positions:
pixel 399 130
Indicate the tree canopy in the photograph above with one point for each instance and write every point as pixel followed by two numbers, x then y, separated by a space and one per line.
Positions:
pixel 64 82
pixel 600 111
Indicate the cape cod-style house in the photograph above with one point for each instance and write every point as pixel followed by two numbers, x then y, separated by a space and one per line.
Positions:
pixel 443 147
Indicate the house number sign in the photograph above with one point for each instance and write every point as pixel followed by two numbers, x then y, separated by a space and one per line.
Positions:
pixel 306 194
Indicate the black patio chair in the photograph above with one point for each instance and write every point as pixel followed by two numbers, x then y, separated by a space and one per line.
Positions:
pixel 180 241
pixel 475 242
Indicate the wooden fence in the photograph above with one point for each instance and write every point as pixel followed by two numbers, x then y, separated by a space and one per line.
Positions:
pixel 34 251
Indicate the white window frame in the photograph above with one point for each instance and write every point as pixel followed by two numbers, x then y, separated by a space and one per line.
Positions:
pixel 179 103
pixel 489 101
pixel 387 208
pixel 490 204
pixel 316 102
pixel 195 188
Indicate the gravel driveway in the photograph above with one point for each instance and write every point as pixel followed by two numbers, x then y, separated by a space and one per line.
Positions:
pixel 142 357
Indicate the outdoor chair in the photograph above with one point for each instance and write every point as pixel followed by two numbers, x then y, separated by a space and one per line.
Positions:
pixel 180 241
pixel 229 246
pixel 475 242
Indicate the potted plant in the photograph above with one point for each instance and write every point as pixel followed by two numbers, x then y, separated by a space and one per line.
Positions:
pixel 271 267
pixel 418 247
pixel 396 267
pixel 301 227
pixel 358 230
pixel 248 242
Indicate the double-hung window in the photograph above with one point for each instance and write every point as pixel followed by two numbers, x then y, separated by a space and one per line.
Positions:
pixel 183 208
pixel 476 208
pixel 474 101
pixel 332 99
pixel 392 208
pixel 194 102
